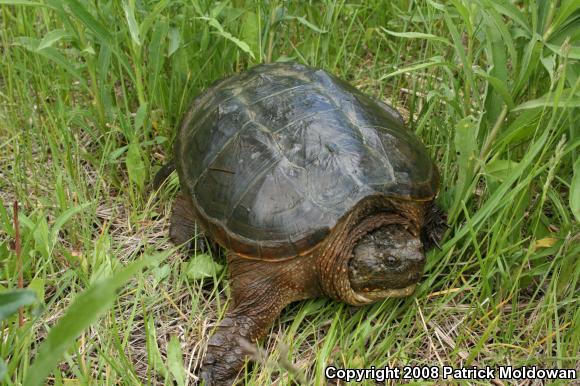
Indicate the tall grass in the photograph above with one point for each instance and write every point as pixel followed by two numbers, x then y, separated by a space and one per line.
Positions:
pixel 91 94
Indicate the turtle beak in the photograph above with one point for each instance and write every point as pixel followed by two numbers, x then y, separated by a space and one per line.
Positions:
pixel 376 295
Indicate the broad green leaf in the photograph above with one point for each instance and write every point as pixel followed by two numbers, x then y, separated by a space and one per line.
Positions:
pixel 153 354
pixel 202 266
pixel 417 35
pixel 175 361
pixel 103 63
pixel 174 40
pixel 575 191
pixel 155 53
pixel 500 168
pixel 250 32
pixel 52 37
pixel 135 165
pixel 37 285
pixel 12 300
pixel 129 10
pixel 85 309
pixel 549 63
pixel 140 117
pixel 465 147
pixel 160 273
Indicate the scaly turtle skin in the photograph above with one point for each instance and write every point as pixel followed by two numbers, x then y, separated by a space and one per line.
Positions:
pixel 314 188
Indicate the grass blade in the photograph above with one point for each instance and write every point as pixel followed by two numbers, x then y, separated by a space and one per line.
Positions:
pixel 417 35
pixel 434 61
pixel 64 218
pixel 83 312
pixel 175 361
pixel 306 23
pixel 81 13
pixel 511 11
pixel 11 301
pixel 135 165
pixel 566 100
pixel 131 22
pixel 22 2
pixel 225 34
pixel 575 191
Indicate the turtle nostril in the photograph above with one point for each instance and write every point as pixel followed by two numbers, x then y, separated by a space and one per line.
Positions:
pixel 392 261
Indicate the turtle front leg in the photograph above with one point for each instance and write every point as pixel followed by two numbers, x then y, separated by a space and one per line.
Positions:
pixel 260 291
pixel 183 228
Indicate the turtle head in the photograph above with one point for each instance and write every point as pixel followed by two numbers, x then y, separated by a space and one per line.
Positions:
pixel 386 262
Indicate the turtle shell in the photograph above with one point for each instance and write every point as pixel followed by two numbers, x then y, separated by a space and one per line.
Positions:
pixel 273 158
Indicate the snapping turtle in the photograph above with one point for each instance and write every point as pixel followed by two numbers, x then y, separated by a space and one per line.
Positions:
pixel 314 188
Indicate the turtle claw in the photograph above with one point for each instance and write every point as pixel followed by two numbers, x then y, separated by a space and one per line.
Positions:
pixel 212 376
pixel 225 355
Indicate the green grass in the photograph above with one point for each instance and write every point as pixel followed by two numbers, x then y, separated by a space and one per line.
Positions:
pixel 91 94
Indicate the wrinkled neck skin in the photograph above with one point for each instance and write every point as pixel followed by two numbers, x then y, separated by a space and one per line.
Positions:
pixel 334 256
